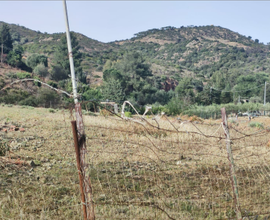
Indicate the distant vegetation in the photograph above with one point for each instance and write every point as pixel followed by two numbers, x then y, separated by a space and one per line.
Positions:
pixel 173 69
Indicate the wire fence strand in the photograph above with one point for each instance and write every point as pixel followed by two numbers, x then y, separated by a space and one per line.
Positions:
pixel 162 170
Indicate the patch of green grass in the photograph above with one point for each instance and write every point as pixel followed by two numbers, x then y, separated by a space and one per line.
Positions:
pixel 256 125
pixel 128 114
pixel 51 110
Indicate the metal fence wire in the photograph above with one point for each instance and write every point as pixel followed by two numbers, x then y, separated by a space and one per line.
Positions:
pixel 155 168
pixel 151 167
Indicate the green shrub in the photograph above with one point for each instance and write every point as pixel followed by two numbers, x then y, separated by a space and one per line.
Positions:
pixel 29 101
pixel 256 125
pixel 23 75
pixel 11 75
pixel 51 110
pixel 160 109
pixel 128 114
pixel 174 106
pixel 13 96
pixel 37 83
pixel 52 84
pixel 41 70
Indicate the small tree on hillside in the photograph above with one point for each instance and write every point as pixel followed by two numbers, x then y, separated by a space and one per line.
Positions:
pixel 41 70
pixel 14 57
pixel 35 59
pixel 61 59
pixel 5 39
pixel 113 91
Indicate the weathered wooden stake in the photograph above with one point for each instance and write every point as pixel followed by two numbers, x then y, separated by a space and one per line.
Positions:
pixel 86 179
pixel 232 170
pixel 77 150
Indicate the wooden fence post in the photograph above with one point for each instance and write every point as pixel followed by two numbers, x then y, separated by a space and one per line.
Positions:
pixel 86 179
pixel 77 150
pixel 232 169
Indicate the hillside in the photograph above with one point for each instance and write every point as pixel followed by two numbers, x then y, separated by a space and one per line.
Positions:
pixel 170 51
pixel 27 36
pixel 199 51
pixel 211 57
pixel 44 43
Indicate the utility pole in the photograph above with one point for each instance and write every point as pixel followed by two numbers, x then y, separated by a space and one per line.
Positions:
pixel 264 100
pixel 79 138
pixel 2 51
pixel 71 63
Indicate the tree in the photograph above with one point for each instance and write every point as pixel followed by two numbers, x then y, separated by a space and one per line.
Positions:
pixel 113 91
pixel 226 96
pixel 61 59
pixel 35 59
pixel 198 84
pixel 134 71
pixel 81 75
pixel 175 106
pixel 250 85
pixel 41 70
pixel 107 65
pixel 5 39
pixel 208 96
pixel 218 80
pixel 255 99
pixel 14 57
pixel 162 97
pixel 109 74
pixel 47 96
pixel 16 37
pixel 185 92
pixel 92 94
pixel 58 73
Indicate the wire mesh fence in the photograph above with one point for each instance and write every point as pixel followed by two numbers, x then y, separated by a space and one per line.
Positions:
pixel 156 168
pixel 251 156
pixel 38 176
pixel 151 167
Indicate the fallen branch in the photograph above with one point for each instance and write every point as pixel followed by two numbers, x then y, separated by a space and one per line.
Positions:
pixel 35 80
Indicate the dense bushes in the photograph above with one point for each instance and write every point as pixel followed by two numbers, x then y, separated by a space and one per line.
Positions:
pixel 23 75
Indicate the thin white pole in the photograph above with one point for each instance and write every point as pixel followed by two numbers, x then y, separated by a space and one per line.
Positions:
pixel 2 51
pixel 71 63
pixel 264 100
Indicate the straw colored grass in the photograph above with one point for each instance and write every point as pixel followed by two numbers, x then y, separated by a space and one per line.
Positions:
pixel 138 170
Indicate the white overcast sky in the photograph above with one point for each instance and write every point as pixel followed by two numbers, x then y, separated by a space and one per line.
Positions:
pixel 116 20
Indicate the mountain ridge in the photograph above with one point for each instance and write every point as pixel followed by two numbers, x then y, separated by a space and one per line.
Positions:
pixel 173 52
pixel 192 60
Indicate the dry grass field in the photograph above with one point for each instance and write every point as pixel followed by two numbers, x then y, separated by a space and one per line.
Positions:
pixel 152 169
